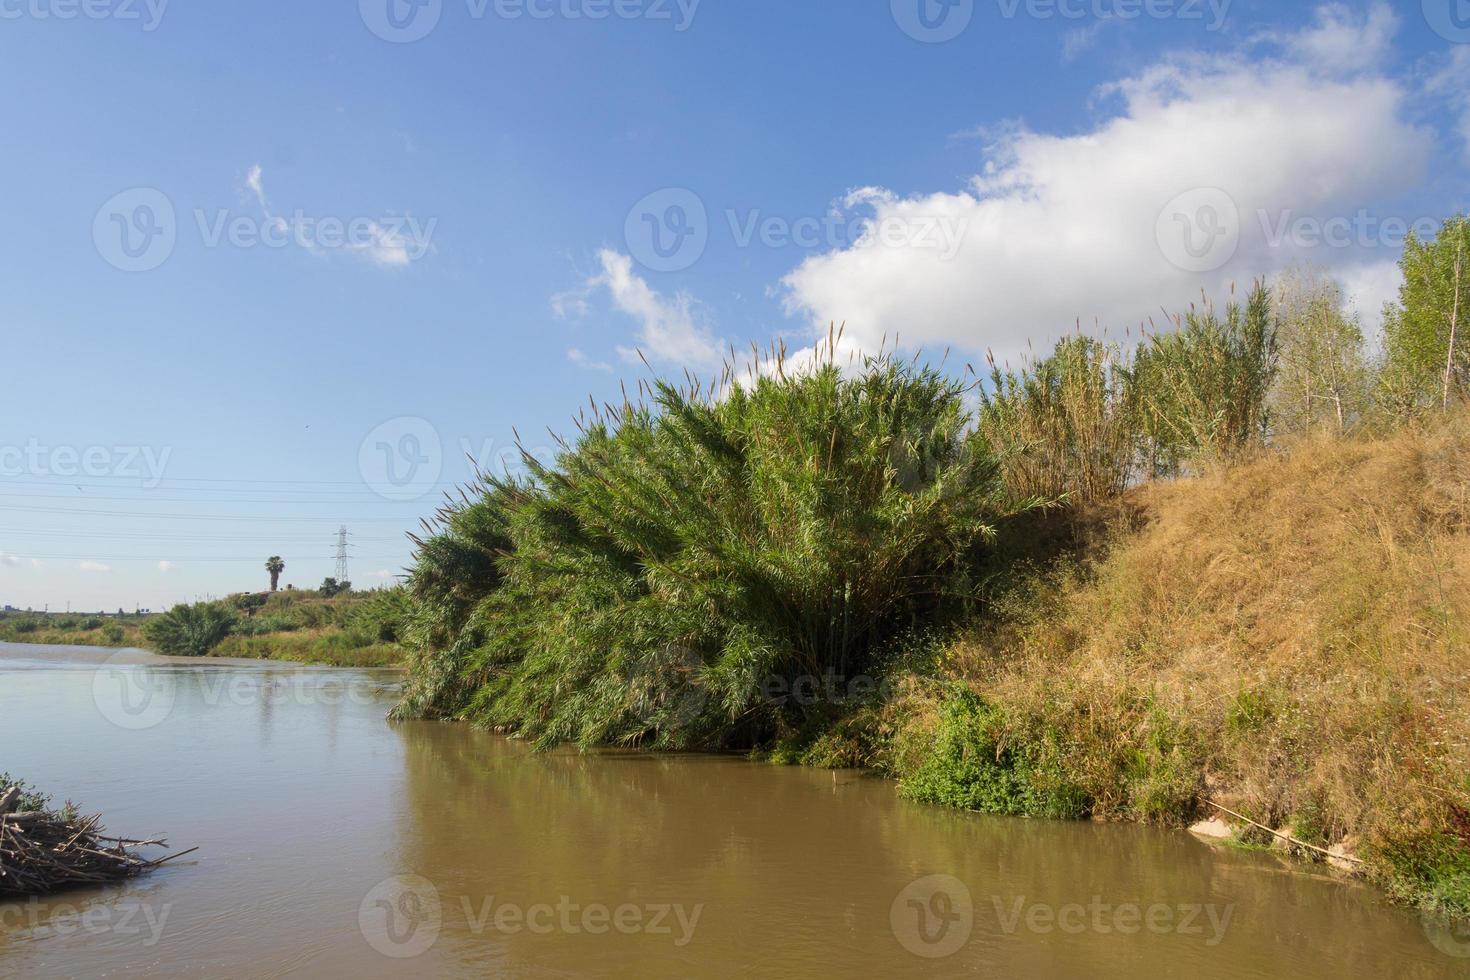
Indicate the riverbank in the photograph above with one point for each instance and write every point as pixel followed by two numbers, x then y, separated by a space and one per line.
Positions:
pixel 1280 631
pixel 1286 638
pixel 354 630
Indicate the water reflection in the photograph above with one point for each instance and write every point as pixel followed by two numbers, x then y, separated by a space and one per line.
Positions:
pixel 335 844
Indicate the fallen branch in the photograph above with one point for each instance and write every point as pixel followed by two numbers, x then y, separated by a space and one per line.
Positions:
pixel 1286 837
pixel 42 850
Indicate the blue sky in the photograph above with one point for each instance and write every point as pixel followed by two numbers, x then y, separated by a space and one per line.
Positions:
pixel 244 377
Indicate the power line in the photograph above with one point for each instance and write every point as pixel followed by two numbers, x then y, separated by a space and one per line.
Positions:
pixel 173 536
pixel 342 555
pixel 376 500
pixel 176 558
pixel 71 511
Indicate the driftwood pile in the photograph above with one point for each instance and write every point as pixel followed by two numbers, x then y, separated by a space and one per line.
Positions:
pixel 42 850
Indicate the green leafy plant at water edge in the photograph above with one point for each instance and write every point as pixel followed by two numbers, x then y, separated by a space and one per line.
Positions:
pixel 190 630
pixel 973 762
pixel 644 586
pixel 1433 870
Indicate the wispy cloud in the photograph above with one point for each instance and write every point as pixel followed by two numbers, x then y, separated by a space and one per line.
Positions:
pixel 388 243
pixel 668 329
pixel 579 358
pixel 1082 39
pixel 94 566
pixel 11 561
pixel 166 566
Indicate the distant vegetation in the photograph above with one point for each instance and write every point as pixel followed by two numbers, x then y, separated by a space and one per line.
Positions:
pixel 1008 609
pixel 347 629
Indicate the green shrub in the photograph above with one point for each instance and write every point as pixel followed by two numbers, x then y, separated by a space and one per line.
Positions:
pixel 190 631
pixel 1432 868
pixel 112 633
pixel 974 761
pixel 29 799
pixel 644 586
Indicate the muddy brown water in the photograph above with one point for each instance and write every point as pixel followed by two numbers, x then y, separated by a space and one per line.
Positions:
pixel 335 844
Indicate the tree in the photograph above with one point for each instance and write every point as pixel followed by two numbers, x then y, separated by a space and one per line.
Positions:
pixel 1322 378
pixel 1426 350
pixel 331 587
pixel 275 566
pixel 249 603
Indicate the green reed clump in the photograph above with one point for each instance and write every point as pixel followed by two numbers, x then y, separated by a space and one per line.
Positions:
pixel 1066 426
pixel 1091 419
pixel 190 630
pixel 1202 388
pixel 648 585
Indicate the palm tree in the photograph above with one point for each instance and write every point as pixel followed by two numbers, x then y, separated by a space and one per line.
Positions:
pixel 275 566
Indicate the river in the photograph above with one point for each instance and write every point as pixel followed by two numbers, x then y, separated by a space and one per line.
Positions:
pixel 335 844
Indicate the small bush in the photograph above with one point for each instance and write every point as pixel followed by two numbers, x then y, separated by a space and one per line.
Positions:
pixel 112 634
pixel 972 760
pixel 190 631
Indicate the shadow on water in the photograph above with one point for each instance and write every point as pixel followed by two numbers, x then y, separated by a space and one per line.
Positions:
pixel 801 870
pixel 336 844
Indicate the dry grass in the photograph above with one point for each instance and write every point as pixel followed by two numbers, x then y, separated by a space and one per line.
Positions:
pixel 1287 637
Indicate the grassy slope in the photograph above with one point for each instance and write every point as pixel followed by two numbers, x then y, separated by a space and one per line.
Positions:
pixel 1289 638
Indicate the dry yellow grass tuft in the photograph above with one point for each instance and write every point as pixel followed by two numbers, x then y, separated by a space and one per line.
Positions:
pixel 1289 637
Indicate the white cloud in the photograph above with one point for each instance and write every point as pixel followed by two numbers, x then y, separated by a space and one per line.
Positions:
pixel 391 243
pixel 580 358
pixel 1082 39
pixel 385 247
pixel 1365 290
pixel 382 573
pixel 94 566
pixel 166 566
pixel 10 560
pixel 668 331
pixel 254 180
pixel 1066 227
pixel 570 305
pixel 1341 39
